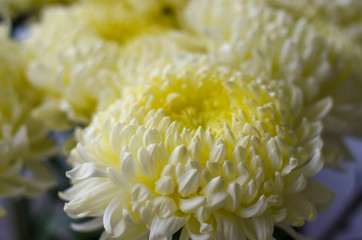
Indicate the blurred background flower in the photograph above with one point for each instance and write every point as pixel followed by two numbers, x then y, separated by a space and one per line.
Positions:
pixel 23 141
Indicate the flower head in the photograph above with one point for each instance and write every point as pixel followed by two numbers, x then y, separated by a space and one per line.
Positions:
pixel 23 143
pixel 345 14
pixel 78 63
pixel 284 42
pixel 204 148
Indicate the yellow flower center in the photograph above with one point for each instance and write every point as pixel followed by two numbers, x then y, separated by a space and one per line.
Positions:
pixel 193 101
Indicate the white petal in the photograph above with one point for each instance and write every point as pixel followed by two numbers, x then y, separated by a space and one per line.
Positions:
pixel 180 170
pixel 258 208
pixel 147 166
pixel 227 226
pixel 235 192
pixel 279 215
pixel 214 168
pixel 193 228
pixel 194 164
pixel 94 224
pixel 299 209
pixel 128 165
pixel 163 154
pixel 179 155
pixel 111 218
pixel 89 199
pixel 125 230
pixel 164 228
pixel 134 144
pixel 141 193
pixel 191 205
pixel 317 193
pixel 217 200
pixel 150 137
pixel 264 226
pixel 319 109
pixel 293 163
pixel 247 228
pixel 13 170
pixel 165 185
pixel 116 137
pixel 239 154
pixel 146 216
pixel 314 165
pixel 276 159
pixel 216 184
pixel 188 183
pixel 250 192
pixel 229 171
pixel 218 153
pixel 206 228
pixel 164 207
pixel 118 179
pixel 169 170
pixel 243 170
pixel 86 170
pixel 298 185
pixel 195 150
pixel 250 130
pixel 202 214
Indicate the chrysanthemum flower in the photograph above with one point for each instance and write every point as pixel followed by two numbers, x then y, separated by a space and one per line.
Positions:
pixel 12 8
pixel 345 14
pixel 219 154
pixel 77 62
pixel 263 39
pixel 23 143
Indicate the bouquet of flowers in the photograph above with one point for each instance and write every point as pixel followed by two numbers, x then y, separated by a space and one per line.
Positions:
pixel 197 119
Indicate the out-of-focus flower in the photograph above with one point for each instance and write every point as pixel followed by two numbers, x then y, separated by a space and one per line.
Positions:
pixel 204 148
pixel 12 8
pixel 277 42
pixel 345 14
pixel 80 62
pixel 23 141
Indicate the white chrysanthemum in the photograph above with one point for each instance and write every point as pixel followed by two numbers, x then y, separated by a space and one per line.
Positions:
pixel 13 8
pixel 80 62
pixel 207 149
pixel 262 39
pixel 346 14
pixel 23 143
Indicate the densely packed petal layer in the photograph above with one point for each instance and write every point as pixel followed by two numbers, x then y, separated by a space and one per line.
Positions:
pixel 345 14
pixel 23 141
pixel 261 38
pixel 204 148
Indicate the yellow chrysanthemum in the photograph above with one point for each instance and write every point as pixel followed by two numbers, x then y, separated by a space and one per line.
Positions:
pixel 265 40
pixel 23 143
pixel 80 63
pixel 219 154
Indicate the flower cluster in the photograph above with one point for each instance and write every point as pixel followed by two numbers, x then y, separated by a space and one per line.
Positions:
pixel 204 117
pixel 23 141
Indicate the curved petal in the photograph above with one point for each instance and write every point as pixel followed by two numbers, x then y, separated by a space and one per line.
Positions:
pixel 258 208
pixel 164 228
